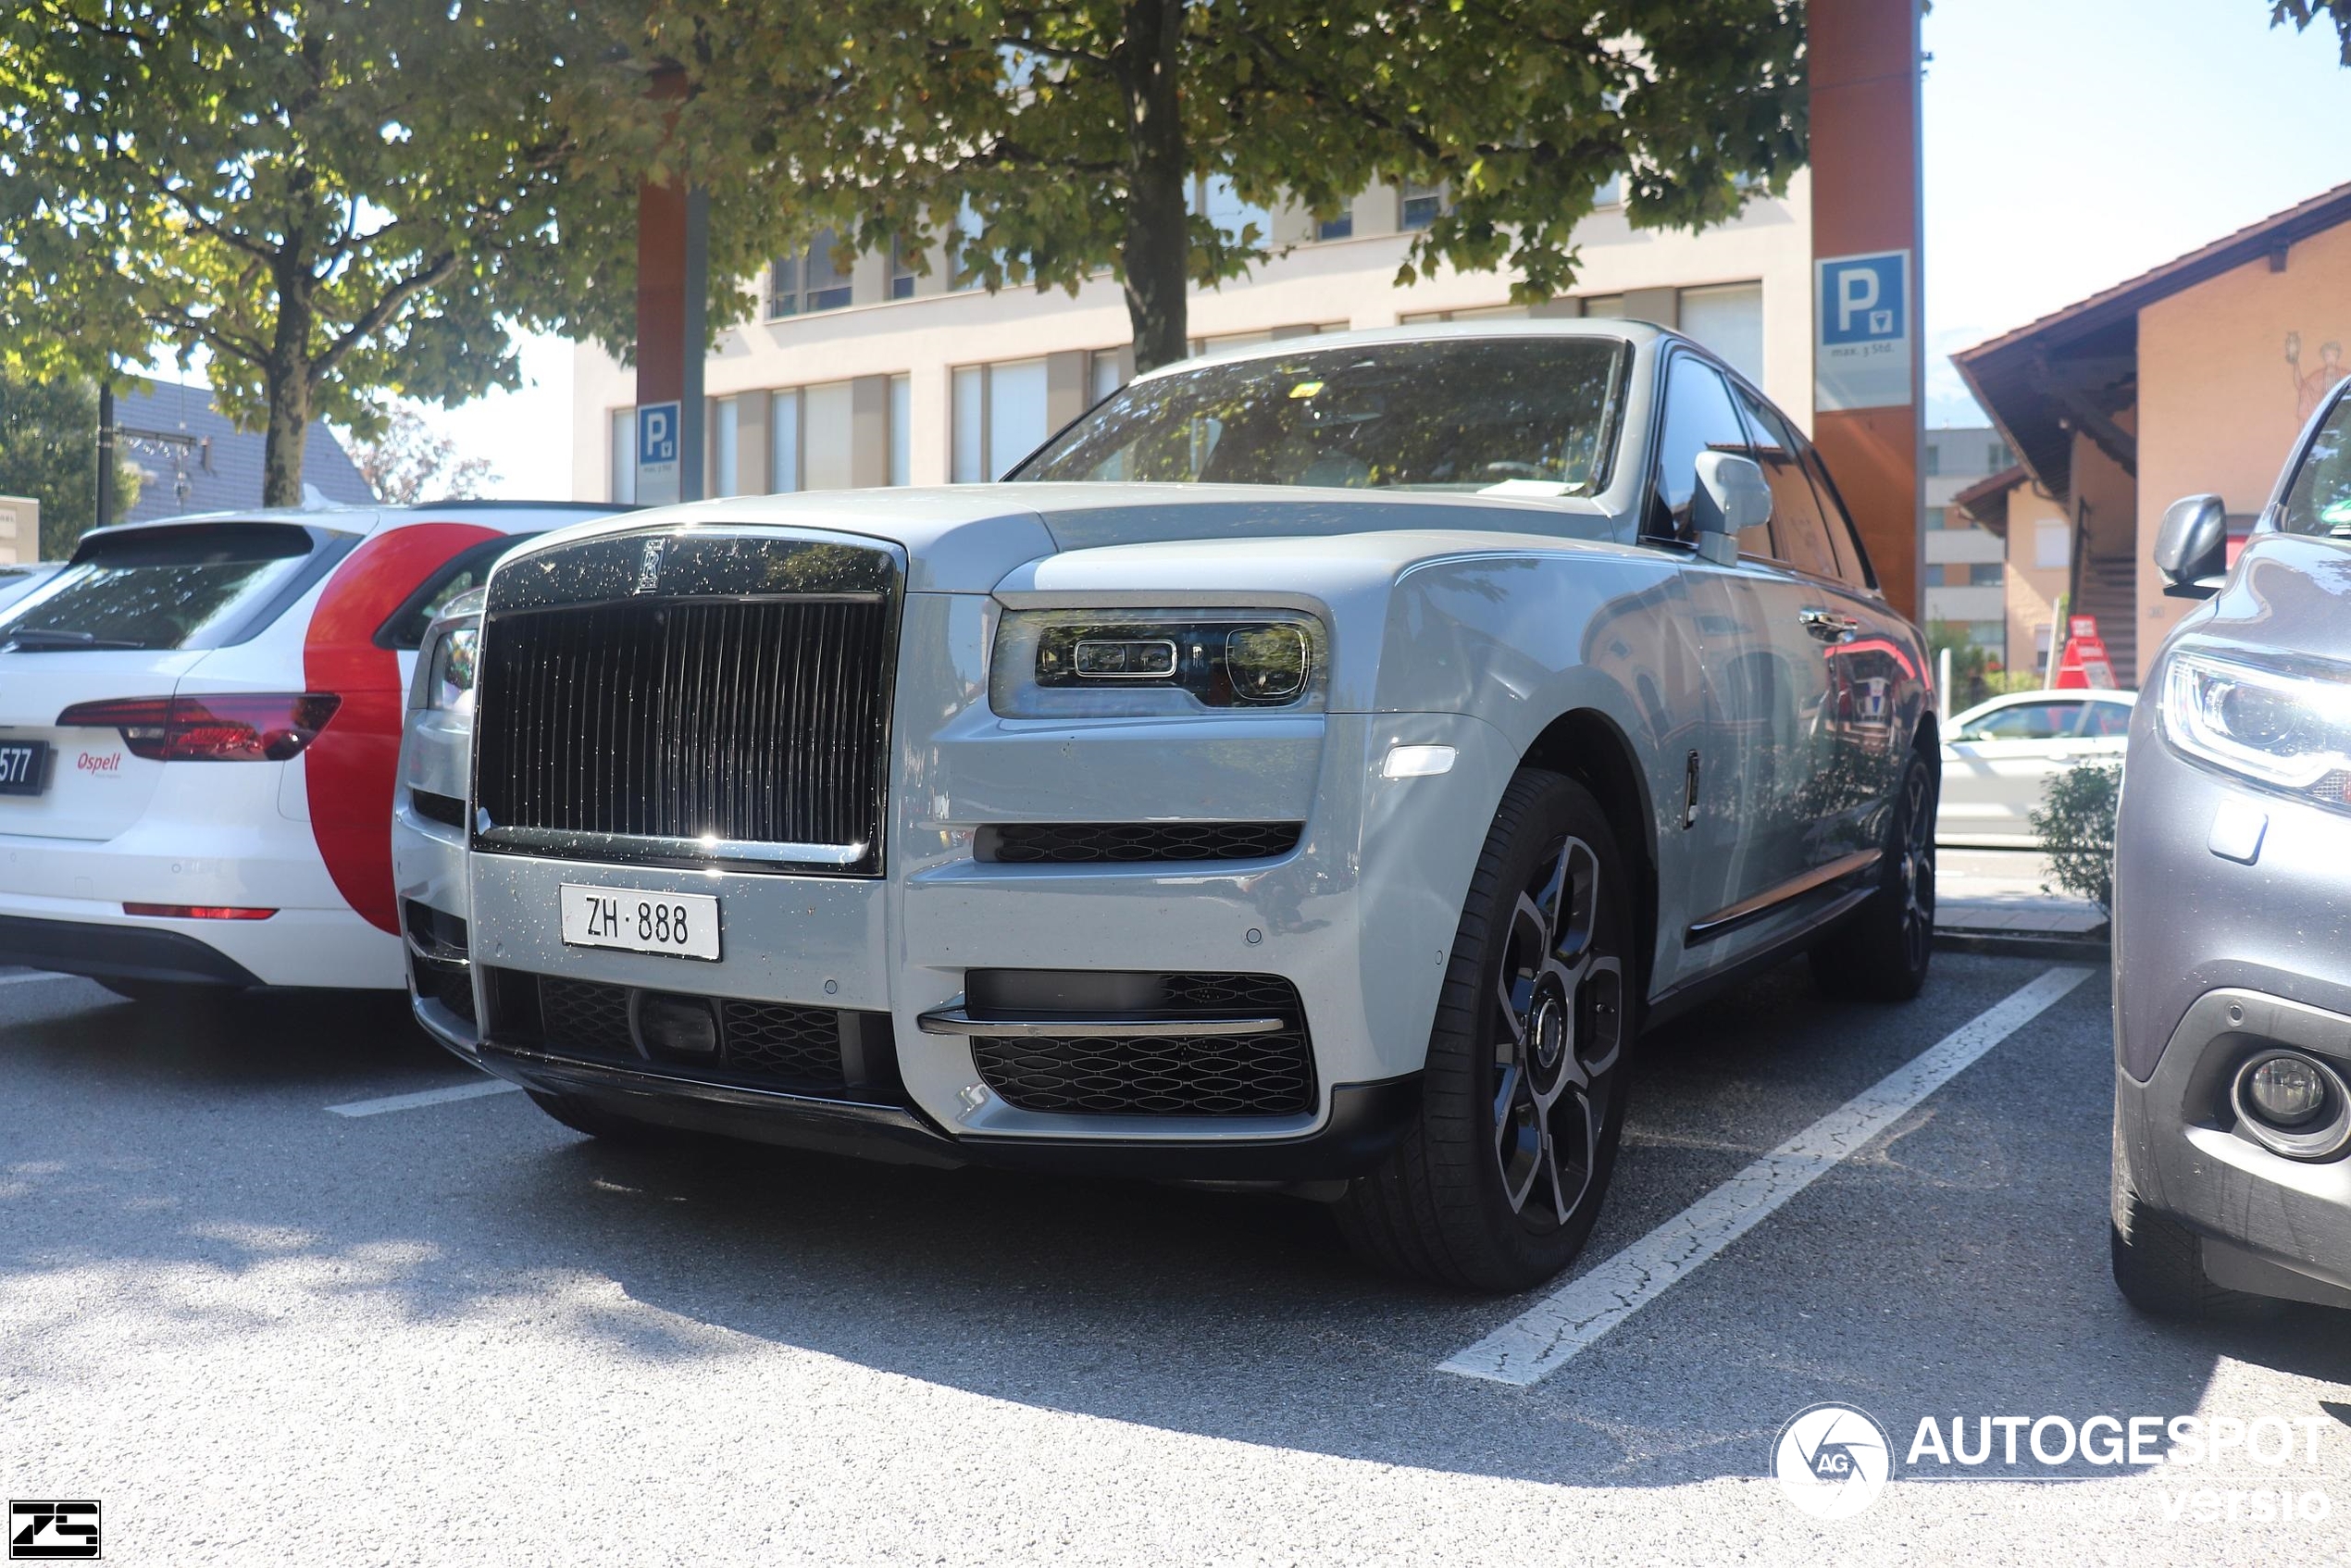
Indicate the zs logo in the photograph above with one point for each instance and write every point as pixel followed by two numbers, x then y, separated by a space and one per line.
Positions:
pixel 53 1532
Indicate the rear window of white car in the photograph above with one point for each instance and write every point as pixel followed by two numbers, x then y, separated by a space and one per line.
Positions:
pixel 198 586
pixel 1457 413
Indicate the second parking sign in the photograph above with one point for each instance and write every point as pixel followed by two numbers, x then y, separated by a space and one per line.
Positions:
pixel 1861 347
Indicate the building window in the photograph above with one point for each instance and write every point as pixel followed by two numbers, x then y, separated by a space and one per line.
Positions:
pixel 902 430
pixel 828 436
pixel 1992 635
pixel 1931 463
pixel 1998 458
pixel 901 270
pixel 783 441
pixel 1422 204
pixel 725 451
pixel 817 278
pixel 1105 373
pixel 1339 228
pixel 999 415
pixel 624 457
pixel 1214 199
pixel 1986 574
pixel 1728 320
pixel 1934 514
pixel 2052 546
pixel 1609 305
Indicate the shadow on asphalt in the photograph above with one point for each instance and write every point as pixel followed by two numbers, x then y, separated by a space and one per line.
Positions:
pixel 1957 1270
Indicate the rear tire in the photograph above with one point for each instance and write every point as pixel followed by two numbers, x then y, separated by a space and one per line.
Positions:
pixel 2158 1266
pixel 1881 952
pixel 1495 1184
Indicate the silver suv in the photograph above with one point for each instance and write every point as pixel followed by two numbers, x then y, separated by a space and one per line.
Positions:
pixel 1311 772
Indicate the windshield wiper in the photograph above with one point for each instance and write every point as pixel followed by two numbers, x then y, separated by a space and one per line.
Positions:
pixel 36 640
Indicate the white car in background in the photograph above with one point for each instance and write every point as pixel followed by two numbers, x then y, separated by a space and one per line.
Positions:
pixel 199 727
pixel 2000 757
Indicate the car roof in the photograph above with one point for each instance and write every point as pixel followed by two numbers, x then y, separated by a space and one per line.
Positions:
pixel 1609 329
pixel 510 517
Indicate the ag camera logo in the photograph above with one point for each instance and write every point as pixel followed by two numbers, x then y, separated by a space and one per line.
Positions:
pixel 1831 1460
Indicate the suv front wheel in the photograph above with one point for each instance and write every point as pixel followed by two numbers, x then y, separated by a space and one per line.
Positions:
pixel 1497 1183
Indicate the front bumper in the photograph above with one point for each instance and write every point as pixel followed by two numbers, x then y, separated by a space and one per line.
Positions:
pixel 2215 956
pixel 2273 1225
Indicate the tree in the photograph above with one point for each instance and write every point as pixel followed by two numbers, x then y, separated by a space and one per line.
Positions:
pixel 49 451
pixel 2301 13
pixel 1071 136
pixel 407 463
pixel 330 199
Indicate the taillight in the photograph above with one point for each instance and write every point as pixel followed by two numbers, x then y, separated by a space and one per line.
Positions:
pixel 195 911
pixel 237 727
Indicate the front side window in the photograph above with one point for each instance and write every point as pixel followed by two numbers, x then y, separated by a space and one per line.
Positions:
pixel 1699 420
pixel 1796 511
pixel 2027 721
pixel 1459 415
pixel 2319 501
pixel 186 587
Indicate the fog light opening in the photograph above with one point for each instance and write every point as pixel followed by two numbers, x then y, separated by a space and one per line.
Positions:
pixel 676 1026
pixel 2293 1104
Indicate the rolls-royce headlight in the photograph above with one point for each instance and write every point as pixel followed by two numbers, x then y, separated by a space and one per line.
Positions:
pixel 2288 729
pixel 1061 663
pixel 449 673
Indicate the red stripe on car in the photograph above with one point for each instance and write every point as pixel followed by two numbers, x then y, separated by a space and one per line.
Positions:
pixel 354 763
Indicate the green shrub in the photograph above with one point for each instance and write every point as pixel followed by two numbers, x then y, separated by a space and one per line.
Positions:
pixel 2076 825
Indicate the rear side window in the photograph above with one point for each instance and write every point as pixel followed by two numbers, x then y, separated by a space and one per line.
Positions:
pixel 2027 721
pixel 2108 721
pixel 1795 513
pixel 197 586
pixel 1852 561
pixel 465 571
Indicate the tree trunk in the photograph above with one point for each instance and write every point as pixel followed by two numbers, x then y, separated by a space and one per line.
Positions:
pixel 286 377
pixel 1158 194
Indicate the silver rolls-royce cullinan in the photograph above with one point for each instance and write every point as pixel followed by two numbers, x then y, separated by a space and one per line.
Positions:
pixel 1312 769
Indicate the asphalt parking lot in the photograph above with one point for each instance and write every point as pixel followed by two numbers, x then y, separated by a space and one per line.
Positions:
pixel 451 1331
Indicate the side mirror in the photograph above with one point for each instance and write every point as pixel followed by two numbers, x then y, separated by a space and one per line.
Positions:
pixel 1732 497
pixel 2192 547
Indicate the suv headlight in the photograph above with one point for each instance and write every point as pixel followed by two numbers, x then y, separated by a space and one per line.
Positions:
pixel 449 670
pixel 2282 728
pixel 1141 664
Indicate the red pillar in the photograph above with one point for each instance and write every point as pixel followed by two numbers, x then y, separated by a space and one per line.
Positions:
pixel 1865 162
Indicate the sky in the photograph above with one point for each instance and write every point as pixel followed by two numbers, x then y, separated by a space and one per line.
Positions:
pixel 2070 145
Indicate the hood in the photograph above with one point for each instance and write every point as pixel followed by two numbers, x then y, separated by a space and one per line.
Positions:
pixel 966 538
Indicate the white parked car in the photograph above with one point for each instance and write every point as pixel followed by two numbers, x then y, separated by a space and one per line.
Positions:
pixel 199 721
pixel 2001 756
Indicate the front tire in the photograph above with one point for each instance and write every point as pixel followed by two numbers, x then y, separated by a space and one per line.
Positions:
pixel 1497 1184
pixel 1881 953
pixel 2158 1266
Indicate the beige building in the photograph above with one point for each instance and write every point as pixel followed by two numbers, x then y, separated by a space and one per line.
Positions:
pixel 868 371
pixel 1964 562
pixel 2194 377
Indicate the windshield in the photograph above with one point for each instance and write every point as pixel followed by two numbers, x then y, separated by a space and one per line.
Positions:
pixel 2320 499
pixel 1459 413
pixel 158 588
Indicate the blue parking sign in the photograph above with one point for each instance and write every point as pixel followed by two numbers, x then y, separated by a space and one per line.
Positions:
pixel 1861 347
pixel 656 434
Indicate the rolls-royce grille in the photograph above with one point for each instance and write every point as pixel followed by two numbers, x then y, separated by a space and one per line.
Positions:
pixel 738 726
pixel 1267 1075
pixel 1096 844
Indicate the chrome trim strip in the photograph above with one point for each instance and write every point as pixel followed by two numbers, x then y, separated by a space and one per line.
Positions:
pixel 955 1021
pixel 1746 911
pixel 624 847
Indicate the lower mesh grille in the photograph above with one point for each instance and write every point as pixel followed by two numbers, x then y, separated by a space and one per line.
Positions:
pixel 769 1042
pixel 1083 843
pixel 1268 1074
pixel 582 1018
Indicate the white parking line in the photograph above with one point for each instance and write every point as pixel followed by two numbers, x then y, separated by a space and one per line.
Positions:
pixel 1546 1336
pixel 424 1097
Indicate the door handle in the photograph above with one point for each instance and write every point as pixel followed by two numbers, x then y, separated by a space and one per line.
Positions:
pixel 1827 625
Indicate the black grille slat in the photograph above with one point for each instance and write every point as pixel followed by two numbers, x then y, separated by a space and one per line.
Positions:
pixel 584 1018
pixel 1133 843
pixel 1268 1074
pixel 675 718
pixel 781 1044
